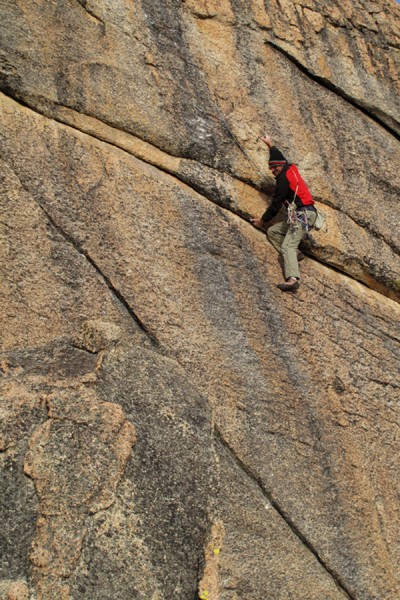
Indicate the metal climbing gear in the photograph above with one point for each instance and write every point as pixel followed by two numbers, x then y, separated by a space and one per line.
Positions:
pixel 292 216
pixel 302 218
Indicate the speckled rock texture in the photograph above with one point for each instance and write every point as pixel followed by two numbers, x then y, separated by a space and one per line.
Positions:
pixel 172 426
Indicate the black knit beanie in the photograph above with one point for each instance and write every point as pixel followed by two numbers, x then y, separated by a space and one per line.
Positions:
pixel 276 158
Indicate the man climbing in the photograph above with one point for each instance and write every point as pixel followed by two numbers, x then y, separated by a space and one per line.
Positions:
pixel 285 236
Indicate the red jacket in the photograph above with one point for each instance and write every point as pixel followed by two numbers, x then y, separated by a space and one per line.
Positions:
pixel 289 185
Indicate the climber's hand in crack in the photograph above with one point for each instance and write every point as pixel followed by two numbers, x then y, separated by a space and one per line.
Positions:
pixel 258 223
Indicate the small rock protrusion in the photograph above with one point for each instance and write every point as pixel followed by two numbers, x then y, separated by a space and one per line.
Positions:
pixel 95 336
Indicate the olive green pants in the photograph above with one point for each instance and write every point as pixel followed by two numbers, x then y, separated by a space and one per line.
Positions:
pixel 286 242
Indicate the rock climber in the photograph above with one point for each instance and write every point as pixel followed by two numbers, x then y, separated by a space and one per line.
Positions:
pixel 292 192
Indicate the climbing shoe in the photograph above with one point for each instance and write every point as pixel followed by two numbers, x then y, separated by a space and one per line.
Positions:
pixel 289 286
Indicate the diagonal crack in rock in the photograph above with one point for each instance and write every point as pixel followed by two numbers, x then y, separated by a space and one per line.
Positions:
pixel 283 514
pixel 371 111
pixel 113 289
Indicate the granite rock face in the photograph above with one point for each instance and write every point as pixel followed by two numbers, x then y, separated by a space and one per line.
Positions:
pixel 172 425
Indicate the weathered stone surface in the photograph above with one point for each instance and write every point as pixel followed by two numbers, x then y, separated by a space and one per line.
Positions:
pixel 76 459
pixel 256 540
pixel 345 47
pixel 14 590
pixel 172 426
pixel 166 505
pixel 92 540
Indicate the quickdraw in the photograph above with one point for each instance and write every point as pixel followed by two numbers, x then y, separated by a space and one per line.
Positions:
pixel 295 217
pixel 302 218
pixel 292 216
